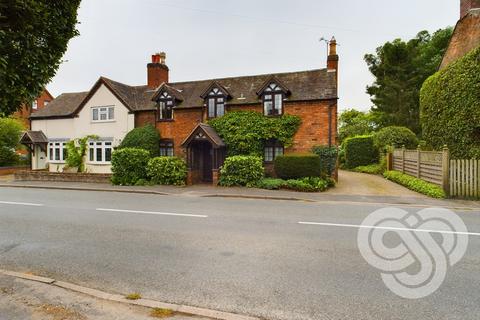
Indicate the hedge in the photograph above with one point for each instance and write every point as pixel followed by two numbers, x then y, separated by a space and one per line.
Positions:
pixel 146 138
pixel 241 171
pixel 450 107
pixel 309 184
pixel 328 159
pixel 167 171
pixel 360 151
pixel 415 184
pixel 294 166
pixel 245 132
pixel 129 165
pixel 396 137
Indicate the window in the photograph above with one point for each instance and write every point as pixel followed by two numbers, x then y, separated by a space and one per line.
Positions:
pixel 272 149
pixel 166 148
pixel 45 103
pixel 103 114
pixel 216 103
pixel 273 100
pixel 57 151
pixel 34 105
pixel 165 107
pixel 100 151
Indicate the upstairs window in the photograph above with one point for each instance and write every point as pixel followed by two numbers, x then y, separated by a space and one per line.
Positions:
pixel 100 114
pixel 273 148
pixel 165 107
pixel 273 97
pixel 166 148
pixel 35 105
pixel 215 103
pixel 100 151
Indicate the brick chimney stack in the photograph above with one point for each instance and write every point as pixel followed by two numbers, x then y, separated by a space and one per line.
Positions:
pixel 467 5
pixel 157 70
pixel 332 59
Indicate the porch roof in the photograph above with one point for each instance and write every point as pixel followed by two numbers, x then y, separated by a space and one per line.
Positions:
pixel 204 132
pixel 34 137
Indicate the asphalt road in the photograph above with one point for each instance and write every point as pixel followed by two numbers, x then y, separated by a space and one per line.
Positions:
pixel 237 255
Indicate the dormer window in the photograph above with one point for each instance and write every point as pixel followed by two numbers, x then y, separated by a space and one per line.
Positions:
pixel 216 103
pixel 273 100
pixel 165 107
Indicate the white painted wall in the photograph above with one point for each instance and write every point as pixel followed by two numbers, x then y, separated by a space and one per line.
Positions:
pixel 82 125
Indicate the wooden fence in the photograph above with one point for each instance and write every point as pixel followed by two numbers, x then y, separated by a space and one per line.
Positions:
pixel 458 178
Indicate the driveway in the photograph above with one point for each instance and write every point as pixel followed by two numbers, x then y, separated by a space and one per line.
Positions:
pixel 362 184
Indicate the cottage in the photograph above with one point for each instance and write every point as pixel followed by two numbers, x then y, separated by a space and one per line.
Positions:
pixel 180 111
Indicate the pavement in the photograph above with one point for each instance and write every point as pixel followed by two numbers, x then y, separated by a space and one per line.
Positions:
pixel 25 299
pixel 245 256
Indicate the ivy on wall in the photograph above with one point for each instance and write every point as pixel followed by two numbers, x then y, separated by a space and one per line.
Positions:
pixel 450 107
pixel 245 132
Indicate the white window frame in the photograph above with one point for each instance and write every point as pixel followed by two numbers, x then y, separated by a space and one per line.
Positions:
pixel 57 145
pixel 94 146
pixel 103 110
pixel 35 104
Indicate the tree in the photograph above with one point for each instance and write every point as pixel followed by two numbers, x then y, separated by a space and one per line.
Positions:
pixel 400 68
pixel 33 38
pixel 353 123
pixel 10 131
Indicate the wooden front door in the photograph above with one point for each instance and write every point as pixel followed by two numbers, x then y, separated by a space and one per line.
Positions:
pixel 207 155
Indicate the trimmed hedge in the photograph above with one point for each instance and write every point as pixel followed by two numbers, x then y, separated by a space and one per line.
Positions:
pixel 167 171
pixel 146 138
pixel 415 184
pixel 241 171
pixel 129 165
pixel 328 159
pixel 396 137
pixel 309 184
pixel 450 107
pixel 294 166
pixel 360 151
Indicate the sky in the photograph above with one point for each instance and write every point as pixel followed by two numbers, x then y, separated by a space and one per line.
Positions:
pixel 207 39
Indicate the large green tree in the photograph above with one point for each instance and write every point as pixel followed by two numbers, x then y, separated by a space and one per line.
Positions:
pixel 33 38
pixel 400 68
pixel 355 123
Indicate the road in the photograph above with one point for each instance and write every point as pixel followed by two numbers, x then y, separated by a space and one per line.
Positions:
pixel 238 255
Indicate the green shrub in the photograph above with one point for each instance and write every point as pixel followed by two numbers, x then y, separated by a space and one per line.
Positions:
pixel 245 132
pixel 370 169
pixel 241 171
pixel 328 159
pixel 8 157
pixel 271 183
pixel 450 107
pixel 294 166
pixel 10 131
pixel 146 138
pixel 129 165
pixel 360 151
pixel 415 184
pixel 167 170
pixel 396 137
pixel 310 184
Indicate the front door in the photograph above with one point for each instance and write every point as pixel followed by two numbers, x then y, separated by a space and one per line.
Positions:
pixel 41 158
pixel 207 155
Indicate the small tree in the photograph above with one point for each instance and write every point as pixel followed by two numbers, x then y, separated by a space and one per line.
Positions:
pixel 396 137
pixel 76 151
pixel 10 131
pixel 146 138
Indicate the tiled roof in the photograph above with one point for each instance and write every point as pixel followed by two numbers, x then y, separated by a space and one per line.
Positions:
pixel 33 137
pixel 304 85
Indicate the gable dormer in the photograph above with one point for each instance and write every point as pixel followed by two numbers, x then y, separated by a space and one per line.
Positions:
pixel 215 97
pixel 273 93
pixel 166 98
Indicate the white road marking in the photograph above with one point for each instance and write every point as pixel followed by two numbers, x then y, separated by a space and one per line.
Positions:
pixel 22 203
pixel 155 212
pixel 386 228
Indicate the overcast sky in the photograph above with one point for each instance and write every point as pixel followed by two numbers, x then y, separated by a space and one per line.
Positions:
pixel 220 38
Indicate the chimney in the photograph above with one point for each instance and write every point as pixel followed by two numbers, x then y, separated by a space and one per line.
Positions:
pixel 157 70
pixel 332 60
pixel 467 5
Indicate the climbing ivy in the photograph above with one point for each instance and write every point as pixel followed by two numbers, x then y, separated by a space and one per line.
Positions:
pixel 245 132
pixel 450 107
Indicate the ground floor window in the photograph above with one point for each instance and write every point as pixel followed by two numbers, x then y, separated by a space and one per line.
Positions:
pixel 272 149
pixel 57 151
pixel 166 148
pixel 100 151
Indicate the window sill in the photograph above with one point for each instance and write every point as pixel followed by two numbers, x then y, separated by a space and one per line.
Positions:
pixel 273 115
pixel 101 121
pixel 98 163
pixel 165 120
pixel 56 162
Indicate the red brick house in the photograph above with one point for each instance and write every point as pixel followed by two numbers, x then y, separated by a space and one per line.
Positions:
pixel 181 110
pixel 27 109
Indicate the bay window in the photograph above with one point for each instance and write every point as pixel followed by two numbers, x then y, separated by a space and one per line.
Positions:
pixel 57 151
pixel 100 151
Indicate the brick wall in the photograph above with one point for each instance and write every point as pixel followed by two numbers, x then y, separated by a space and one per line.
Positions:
pixel 62 177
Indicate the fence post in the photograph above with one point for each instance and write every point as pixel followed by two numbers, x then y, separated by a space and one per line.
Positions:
pixel 403 159
pixel 446 170
pixel 390 159
pixel 418 161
